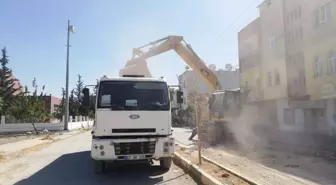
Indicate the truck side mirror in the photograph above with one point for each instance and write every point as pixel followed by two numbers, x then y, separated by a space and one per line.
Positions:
pixel 86 97
pixel 179 97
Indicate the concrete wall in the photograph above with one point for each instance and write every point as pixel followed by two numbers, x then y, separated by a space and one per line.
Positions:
pixel 25 127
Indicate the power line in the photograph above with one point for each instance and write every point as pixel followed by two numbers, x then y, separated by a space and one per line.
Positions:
pixel 237 19
pixel 234 21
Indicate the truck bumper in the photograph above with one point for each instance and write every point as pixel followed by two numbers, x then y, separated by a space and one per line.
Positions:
pixel 132 149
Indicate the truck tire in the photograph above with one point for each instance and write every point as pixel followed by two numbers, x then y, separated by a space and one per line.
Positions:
pixel 165 163
pixel 98 166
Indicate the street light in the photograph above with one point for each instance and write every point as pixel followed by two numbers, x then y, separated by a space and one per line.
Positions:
pixel 71 29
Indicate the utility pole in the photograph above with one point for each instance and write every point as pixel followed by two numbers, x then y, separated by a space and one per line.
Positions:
pixel 70 28
pixel 199 133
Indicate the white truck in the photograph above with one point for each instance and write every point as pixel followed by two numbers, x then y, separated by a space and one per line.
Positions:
pixel 132 121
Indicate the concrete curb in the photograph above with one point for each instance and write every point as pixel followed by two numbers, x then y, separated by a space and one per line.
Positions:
pixel 229 170
pixel 194 170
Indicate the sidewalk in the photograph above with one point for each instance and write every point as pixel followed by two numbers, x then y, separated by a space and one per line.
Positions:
pixel 261 174
pixel 12 150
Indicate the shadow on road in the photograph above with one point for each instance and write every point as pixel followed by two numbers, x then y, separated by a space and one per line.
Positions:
pixel 76 168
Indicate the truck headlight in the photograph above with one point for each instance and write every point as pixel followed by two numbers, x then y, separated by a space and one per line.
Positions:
pixel 171 142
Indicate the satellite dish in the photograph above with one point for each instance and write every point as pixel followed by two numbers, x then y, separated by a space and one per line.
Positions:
pixel 228 67
pixel 212 66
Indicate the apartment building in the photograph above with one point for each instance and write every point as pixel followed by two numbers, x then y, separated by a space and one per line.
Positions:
pixel 191 82
pixel 297 63
pixel 273 64
pixel 249 61
pixel 273 58
pixel 321 63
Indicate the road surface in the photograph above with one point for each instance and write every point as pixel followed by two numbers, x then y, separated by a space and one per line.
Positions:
pixel 182 137
pixel 68 162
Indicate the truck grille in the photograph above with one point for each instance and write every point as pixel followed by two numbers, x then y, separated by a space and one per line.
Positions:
pixel 142 130
pixel 147 147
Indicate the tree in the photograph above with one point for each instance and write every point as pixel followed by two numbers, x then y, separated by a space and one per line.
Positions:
pixel 59 112
pixel 8 91
pixel 80 109
pixel 31 107
pixel 1 104
pixel 72 101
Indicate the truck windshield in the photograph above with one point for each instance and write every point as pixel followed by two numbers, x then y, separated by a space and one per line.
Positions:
pixel 133 95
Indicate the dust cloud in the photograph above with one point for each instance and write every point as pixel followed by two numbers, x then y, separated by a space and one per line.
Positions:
pixel 246 131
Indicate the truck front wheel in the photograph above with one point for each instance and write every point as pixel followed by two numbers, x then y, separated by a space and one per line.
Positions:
pixel 98 166
pixel 165 163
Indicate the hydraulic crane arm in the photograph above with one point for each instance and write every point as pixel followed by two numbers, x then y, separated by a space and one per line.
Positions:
pixel 184 50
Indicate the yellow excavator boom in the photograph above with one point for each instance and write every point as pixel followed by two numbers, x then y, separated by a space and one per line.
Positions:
pixel 184 50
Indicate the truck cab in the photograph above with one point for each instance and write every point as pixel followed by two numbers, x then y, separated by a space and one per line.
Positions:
pixel 132 121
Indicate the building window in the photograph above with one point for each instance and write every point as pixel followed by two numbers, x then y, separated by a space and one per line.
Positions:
pixel 332 63
pixel 277 78
pixel 289 116
pixel 317 67
pixel 269 78
pixel 302 78
pixel 299 12
pixel 291 37
pixel 292 16
pixel 295 14
pixel 300 34
pixel 318 113
pixel 272 42
pixel 322 15
pixel 334 115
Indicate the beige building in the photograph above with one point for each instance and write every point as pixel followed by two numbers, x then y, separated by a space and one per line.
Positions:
pixel 321 63
pixel 273 58
pixel 298 64
pixel 249 48
pixel 192 82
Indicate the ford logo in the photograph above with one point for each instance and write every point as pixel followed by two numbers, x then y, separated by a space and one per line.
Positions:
pixel 134 116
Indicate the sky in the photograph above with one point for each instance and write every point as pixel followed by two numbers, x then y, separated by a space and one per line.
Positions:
pixel 34 33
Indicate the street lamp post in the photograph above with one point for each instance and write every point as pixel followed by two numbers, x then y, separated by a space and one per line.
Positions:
pixel 66 112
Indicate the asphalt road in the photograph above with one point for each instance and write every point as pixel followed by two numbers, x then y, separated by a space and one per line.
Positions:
pixel 68 162
pixel 182 135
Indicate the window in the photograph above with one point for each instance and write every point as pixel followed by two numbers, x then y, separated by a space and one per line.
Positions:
pixel 272 42
pixel 334 115
pixel 277 78
pixel 289 116
pixel 322 15
pixel 291 37
pixel 269 78
pixel 133 95
pixel 299 12
pixel 302 77
pixel 332 63
pixel 317 67
pixel 318 113
pixel 300 34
